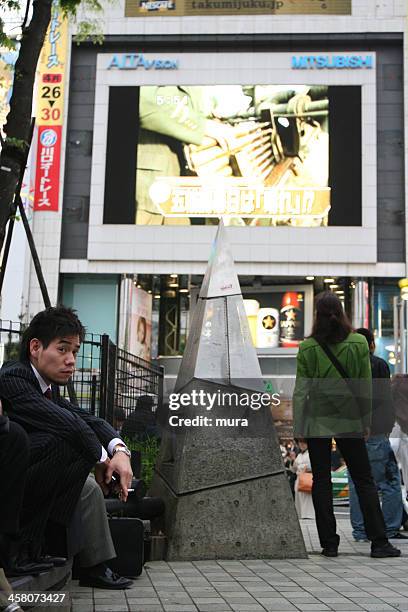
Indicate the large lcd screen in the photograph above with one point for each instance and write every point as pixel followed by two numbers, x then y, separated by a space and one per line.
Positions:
pixel 258 155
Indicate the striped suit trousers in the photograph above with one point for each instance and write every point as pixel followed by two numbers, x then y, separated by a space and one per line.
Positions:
pixel 55 477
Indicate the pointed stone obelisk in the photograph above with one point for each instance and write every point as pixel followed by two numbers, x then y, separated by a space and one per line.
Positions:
pixel 220 472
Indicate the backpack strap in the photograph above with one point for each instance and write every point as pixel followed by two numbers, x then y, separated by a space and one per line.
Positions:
pixel 340 370
pixel 333 359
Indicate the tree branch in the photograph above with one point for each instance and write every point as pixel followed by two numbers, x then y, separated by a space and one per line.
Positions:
pixel 23 25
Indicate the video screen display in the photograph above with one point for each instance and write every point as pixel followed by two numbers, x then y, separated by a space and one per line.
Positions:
pixel 258 155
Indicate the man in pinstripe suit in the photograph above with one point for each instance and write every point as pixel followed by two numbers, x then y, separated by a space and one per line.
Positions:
pixel 65 441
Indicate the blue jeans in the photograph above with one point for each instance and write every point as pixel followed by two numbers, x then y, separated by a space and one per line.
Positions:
pixel 386 475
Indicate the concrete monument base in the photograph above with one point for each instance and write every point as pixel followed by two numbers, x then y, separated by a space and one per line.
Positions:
pixel 240 520
pixel 220 470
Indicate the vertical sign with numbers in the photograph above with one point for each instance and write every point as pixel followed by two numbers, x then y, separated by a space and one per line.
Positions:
pixel 50 101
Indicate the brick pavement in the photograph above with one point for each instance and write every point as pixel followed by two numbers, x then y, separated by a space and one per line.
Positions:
pixel 352 581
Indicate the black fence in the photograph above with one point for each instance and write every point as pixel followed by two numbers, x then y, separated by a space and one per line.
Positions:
pixel 106 377
pixel 10 333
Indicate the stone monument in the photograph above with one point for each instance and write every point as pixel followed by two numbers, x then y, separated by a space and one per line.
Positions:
pixel 220 470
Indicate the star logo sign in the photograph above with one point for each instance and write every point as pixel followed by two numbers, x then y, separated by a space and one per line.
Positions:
pixel 291 315
pixel 268 322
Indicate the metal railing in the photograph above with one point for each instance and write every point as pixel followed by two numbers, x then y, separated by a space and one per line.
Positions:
pixel 10 332
pixel 106 376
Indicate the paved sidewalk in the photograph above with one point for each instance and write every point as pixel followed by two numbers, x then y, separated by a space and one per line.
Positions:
pixel 352 581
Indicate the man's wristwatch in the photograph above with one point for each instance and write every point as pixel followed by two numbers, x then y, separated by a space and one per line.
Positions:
pixel 121 449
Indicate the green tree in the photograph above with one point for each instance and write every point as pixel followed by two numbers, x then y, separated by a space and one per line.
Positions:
pixel 17 129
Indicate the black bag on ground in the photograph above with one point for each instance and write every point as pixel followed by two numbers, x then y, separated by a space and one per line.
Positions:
pixel 128 539
pixel 146 509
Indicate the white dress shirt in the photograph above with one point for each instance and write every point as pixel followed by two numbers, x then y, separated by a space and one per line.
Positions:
pixel 112 443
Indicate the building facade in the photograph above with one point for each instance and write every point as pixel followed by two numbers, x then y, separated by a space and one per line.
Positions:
pixel 288 122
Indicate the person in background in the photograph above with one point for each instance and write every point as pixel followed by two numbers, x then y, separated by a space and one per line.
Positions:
pixel 119 417
pixel 383 464
pixel 399 435
pixel 290 473
pixel 336 458
pixel 141 424
pixel 292 446
pixel 303 501
pixel 325 405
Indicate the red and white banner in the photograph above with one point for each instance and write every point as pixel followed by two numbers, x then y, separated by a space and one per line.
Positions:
pixel 49 111
pixel 48 168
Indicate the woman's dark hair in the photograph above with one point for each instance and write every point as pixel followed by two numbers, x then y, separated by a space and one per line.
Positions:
pixel 331 323
pixel 49 324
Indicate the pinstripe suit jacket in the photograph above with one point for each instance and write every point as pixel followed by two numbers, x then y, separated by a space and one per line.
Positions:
pixel 25 404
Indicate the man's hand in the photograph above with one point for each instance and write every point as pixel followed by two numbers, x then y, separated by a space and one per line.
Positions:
pixel 100 475
pixel 222 133
pixel 120 463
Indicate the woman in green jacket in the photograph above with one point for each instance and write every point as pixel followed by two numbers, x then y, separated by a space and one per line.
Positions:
pixel 332 399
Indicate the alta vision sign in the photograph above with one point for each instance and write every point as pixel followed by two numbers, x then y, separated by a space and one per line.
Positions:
pixel 133 61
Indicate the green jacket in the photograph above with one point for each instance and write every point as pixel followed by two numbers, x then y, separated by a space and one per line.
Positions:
pixel 323 404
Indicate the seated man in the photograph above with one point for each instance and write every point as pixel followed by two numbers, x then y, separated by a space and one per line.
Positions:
pixel 65 442
pixel 14 460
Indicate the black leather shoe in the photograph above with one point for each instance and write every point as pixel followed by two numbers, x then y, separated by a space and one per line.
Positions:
pixel 35 553
pixel 26 569
pixel 14 560
pixel 381 552
pixel 330 552
pixel 102 577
